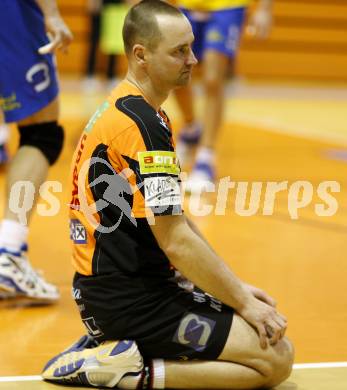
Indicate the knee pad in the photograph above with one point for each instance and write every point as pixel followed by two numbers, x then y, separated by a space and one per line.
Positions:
pixel 48 137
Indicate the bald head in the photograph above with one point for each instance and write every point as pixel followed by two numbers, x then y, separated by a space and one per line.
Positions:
pixel 141 23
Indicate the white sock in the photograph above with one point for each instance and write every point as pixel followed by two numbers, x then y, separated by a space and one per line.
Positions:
pixel 12 235
pixel 205 155
pixel 158 373
pixel 4 133
pixel 158 377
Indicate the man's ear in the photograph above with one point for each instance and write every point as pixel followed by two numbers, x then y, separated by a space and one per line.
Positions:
pixel 139 52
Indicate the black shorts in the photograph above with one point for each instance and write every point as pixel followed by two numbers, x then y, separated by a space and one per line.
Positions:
pixel 166 321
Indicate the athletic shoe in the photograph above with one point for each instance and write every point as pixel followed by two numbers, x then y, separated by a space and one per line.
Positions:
pixel 3 154
pixel 17 278
pixel 86 363
pixel 200 179
pixel 188 139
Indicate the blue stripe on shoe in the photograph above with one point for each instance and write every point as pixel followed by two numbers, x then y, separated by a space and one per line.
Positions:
pixel 85 341
pixel 8 282
pixel 69 369
pixel 121 347
pixel 6 251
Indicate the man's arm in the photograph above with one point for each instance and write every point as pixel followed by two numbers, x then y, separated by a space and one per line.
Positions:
pixel 194 258
pixel 261 21
pixel 60 35
pixel 255 291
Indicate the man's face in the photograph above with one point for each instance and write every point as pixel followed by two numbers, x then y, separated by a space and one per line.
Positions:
pixel 170 64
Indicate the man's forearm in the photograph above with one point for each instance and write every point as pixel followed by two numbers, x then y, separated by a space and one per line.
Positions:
pixel 197 231
pixel 196 261
pixel 49 8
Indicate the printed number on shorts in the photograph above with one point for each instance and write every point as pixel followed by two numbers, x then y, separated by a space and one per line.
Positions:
pixel 35 70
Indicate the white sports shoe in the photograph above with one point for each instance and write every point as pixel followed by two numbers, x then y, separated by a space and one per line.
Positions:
pixel 19 279
pixel 201 179
pixel 89 364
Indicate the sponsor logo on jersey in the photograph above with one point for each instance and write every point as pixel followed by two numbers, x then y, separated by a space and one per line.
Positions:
pixel 78 233
pixel 158 161
pixel 162 191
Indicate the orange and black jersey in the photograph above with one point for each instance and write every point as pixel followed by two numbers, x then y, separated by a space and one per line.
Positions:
pixel 124 170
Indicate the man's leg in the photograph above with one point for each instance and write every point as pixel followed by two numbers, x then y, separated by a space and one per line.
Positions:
pixel 214 77
pixel 190 132
pixel 184 98
pixel 30 164
pixel 241 365
pixel 215 67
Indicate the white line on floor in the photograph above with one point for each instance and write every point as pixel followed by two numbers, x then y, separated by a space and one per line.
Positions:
pixel 20 378
pixel 302 366
pixel 299 366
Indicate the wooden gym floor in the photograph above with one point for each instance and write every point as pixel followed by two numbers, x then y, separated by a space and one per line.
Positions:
pixel 271 133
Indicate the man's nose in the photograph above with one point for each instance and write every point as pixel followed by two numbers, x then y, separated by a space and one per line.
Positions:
pixel 192 59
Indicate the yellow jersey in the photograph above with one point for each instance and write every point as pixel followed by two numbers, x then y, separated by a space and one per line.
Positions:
pixel 211 5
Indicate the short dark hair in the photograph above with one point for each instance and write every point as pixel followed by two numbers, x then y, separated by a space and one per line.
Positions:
pixel 141 26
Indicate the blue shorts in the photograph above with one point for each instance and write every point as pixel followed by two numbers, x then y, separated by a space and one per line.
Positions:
pixel 28 80
pixel 221 31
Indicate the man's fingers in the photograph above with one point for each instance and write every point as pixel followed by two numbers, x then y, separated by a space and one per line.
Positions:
pixel 263 296
pixel 262 336
pixel 60 40
pixel 278 328
pixel 283 326
pixel 269 300
pixel 67 38
pixel 55 41
pixel 273 332
pixel 49 48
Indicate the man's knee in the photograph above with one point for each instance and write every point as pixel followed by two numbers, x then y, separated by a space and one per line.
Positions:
pixel 280 363
pixel 48 137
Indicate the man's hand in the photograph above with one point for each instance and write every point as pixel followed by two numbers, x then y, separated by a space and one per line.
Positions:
pixel 59 33
pixel 261 295
pixel 269 324
pixel 260 23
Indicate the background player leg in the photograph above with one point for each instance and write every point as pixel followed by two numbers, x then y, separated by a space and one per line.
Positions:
pixel 29 164
pixel 215 66
pixel 191 131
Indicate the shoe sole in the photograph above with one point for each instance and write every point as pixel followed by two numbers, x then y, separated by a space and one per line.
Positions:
pixel 96 370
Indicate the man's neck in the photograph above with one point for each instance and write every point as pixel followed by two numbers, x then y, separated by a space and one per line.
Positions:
pixel 154 97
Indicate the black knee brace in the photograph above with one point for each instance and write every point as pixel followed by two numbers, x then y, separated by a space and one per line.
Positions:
pixel 47 136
